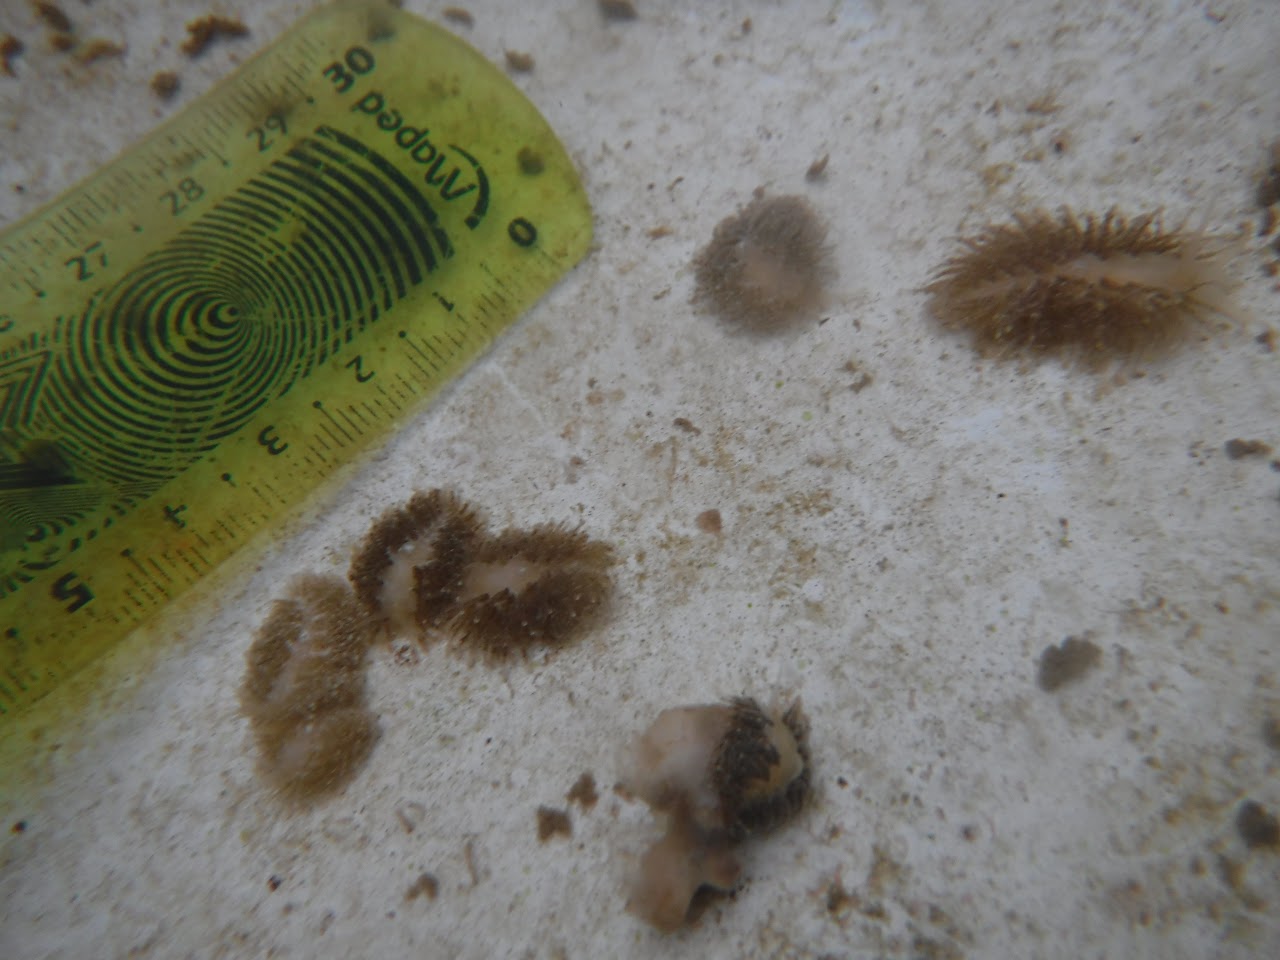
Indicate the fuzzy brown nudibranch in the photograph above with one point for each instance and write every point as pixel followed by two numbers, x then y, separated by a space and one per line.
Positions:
pixel 1085 288
pixel 304 689
pixel 407 568
pixel 767 267
pixel 543 585
pixel 430 568
pixel 719 774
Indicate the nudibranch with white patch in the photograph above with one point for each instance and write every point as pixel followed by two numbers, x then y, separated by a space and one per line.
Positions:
pixel 718 773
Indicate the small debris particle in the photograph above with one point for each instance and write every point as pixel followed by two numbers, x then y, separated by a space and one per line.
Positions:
pixel 274 881
pixel 1267 340
pixel 530 161
pixel 552 822
pixel 469 857
pixel 618 9
pixel 1230 872
pixel 1256 827
pixel 1044 106
pixel 658 232
pixel 1269 183
pixel 1271 732
pixel 839 900
pixel 96 50
pixel 861 378
pixel 202 32
pixel 685 424
pixel 62 42
pixel 165 84
pixel 583 792
pixel 818 169
pixel 1238 448
pixel 708 521
pixel 519 62
pixel 53 16
pixel 462 17
pixel 425 886
pixel 10 47
pixel 410 815
pixel 19 827
pixel 746 26
pixel 1067 662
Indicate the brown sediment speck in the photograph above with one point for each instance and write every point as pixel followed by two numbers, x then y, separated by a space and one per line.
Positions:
pixel 719 773
pixel 818 169
pixel 95 50
pixel 518 62
pixel 709 521
pixel 1067 662
pixel 10 47
pixel 1257 827
pixel 583 792
pixel 202 32
pixel 425 886
pixel 553 823
pixel 1268 191
pixel 459 15
pixel 617 9
pixel 1238 448
pixel 767 266
pixel 165 84
pixel 53 16
pixel 1085 288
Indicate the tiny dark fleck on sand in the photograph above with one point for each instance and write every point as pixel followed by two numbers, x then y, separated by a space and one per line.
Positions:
pixel 1256 827
pixel 709 521
pixel 552 822
pixel 1067 662
pixel 584 792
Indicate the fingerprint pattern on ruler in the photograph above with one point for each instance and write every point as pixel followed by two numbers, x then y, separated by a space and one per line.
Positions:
pixel 102 410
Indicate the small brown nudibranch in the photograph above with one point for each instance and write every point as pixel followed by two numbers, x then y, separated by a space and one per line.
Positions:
pixel 304 689
pixel 538 586
pixel 407 567
pixel 718 773
pixel 1085 288
pixel 767 267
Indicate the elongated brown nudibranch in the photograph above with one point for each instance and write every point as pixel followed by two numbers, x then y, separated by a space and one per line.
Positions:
pixel 522 587
pixel 304 689
pixel 1085 288
pixel 718 773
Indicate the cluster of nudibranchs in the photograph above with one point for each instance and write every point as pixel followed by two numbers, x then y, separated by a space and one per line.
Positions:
pixel 426 569
pixel 430 569
pixel 718 773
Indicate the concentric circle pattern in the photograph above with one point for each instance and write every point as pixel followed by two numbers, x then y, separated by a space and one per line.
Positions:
pixel 236 310
pixel 183 351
